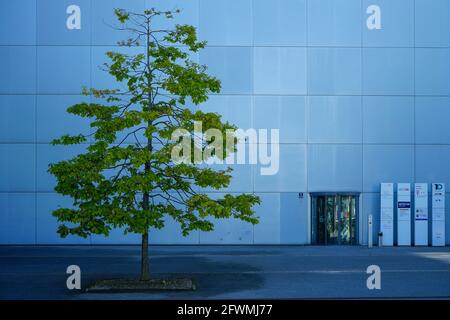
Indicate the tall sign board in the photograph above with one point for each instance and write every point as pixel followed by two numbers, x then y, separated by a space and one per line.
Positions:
pixel 421 214
pixel 404 214
pixel 387 213
pixel 438 214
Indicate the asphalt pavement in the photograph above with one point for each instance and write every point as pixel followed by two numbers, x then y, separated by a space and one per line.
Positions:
pixel 230 272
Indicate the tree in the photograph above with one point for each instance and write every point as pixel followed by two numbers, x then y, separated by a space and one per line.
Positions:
pixel 135 186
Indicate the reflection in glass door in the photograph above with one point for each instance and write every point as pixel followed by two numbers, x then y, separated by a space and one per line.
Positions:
pixel 334 219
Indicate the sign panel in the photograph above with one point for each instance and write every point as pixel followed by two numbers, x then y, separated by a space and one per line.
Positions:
pixel 404 214
pixel 421 214
pixel 387 213
pixel 438 199
pixel 387 195
pixel 421 195
pixel 438 214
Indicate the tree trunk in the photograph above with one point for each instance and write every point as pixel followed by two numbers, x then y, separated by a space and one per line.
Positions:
pixel 145 270
pixel 145 263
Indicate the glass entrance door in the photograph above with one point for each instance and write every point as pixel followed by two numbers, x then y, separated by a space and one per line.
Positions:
pixel 334 219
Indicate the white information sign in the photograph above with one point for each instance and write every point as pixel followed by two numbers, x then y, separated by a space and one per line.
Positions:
pixel 387 213
pixel 404 214
pixel 421 214
pixel 438 214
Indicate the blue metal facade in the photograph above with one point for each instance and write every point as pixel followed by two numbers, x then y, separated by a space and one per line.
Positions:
pixel 355 107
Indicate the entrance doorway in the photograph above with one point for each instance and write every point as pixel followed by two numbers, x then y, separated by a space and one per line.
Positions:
pixel 334 218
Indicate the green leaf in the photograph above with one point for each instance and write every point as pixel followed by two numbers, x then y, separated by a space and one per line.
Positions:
pixel 126 178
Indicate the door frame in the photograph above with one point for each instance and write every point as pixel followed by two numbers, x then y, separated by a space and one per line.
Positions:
pixel 312 203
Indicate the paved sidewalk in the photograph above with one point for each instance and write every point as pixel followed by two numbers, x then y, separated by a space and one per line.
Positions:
pixel 230 272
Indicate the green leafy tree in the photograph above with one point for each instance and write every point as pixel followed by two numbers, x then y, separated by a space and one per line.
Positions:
pixel 135 186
